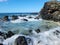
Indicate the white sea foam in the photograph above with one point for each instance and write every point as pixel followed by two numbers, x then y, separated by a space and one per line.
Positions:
pixel 47 37
pixel 43 38
pixel 21 19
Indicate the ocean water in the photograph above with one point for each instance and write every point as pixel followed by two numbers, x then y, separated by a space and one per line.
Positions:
pixel 19 26
pixel 46 27
pixel 17 14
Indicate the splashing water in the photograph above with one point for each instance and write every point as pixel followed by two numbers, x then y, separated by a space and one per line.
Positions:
pixel 49 35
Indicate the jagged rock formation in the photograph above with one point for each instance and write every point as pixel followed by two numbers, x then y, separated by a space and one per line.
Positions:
pixel 51 11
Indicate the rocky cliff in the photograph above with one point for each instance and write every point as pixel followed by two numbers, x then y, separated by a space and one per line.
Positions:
pixel 51 11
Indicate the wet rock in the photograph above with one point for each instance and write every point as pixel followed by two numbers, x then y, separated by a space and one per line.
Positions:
pixel 56 32
pixel 51 11
pixel 14 17
pixel 1 44
pixel 21 40
pixel 1 40
pixel 39 42
pixel 30 31
pixel 5 18
pixel 25 20
pixel 36 18
pixel 9 34
pixel 29 17
pixel 38 30
pixel 3 35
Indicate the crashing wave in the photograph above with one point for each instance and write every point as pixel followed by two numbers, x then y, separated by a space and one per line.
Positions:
pixel 51 37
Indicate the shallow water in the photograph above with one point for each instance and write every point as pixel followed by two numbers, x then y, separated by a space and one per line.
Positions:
pixel 45 37
pixel 43 25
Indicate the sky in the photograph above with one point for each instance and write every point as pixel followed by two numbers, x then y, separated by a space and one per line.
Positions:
pixel 13 6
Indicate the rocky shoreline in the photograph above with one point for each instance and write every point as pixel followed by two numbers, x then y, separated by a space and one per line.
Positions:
pixel 51 11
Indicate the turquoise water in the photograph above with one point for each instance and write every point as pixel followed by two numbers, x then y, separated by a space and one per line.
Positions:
pixel 24 27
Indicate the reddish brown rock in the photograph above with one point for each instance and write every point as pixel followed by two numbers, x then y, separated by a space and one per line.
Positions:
pixel 51 11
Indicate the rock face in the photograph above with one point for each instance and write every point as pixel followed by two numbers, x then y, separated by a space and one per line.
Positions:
pixel 51 11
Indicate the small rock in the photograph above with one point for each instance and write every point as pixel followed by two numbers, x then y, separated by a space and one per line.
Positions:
pixel 29 17
pixel 25 19
pixel 30 31
pixel 57 31
pixel 38 30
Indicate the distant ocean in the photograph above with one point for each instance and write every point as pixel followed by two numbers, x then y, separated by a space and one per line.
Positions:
pixel 17 14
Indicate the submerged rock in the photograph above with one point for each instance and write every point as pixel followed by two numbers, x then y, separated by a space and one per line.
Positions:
pixel 51 11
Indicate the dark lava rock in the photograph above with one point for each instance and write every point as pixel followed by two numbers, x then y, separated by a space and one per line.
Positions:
pixel 3 34
pixel 1 44
pixel 38 30
pixel 36 18
pixel 21 40
pixel 51 11
pixel 14 17
pixel 30 31
pixel 57 32
pixel 25 19
pixel 30 17
pixel 5 18
pixel 9 34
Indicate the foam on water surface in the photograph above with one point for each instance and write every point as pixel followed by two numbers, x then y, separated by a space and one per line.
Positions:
pixel 47 36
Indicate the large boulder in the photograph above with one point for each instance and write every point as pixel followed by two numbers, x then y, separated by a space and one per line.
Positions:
pixel 9 34
pixel 14 17
pixel 21 41
pixel 5 18
pixel 51 11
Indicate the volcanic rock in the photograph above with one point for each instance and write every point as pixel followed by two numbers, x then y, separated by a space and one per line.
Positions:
pixel 51 11
pixel 14 17
pixel 9 34
pixel 38 30
pixel 5 18
pixel 25 20
pixel 21 40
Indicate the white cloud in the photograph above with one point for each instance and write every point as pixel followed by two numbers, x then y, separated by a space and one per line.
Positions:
pixel 3 0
